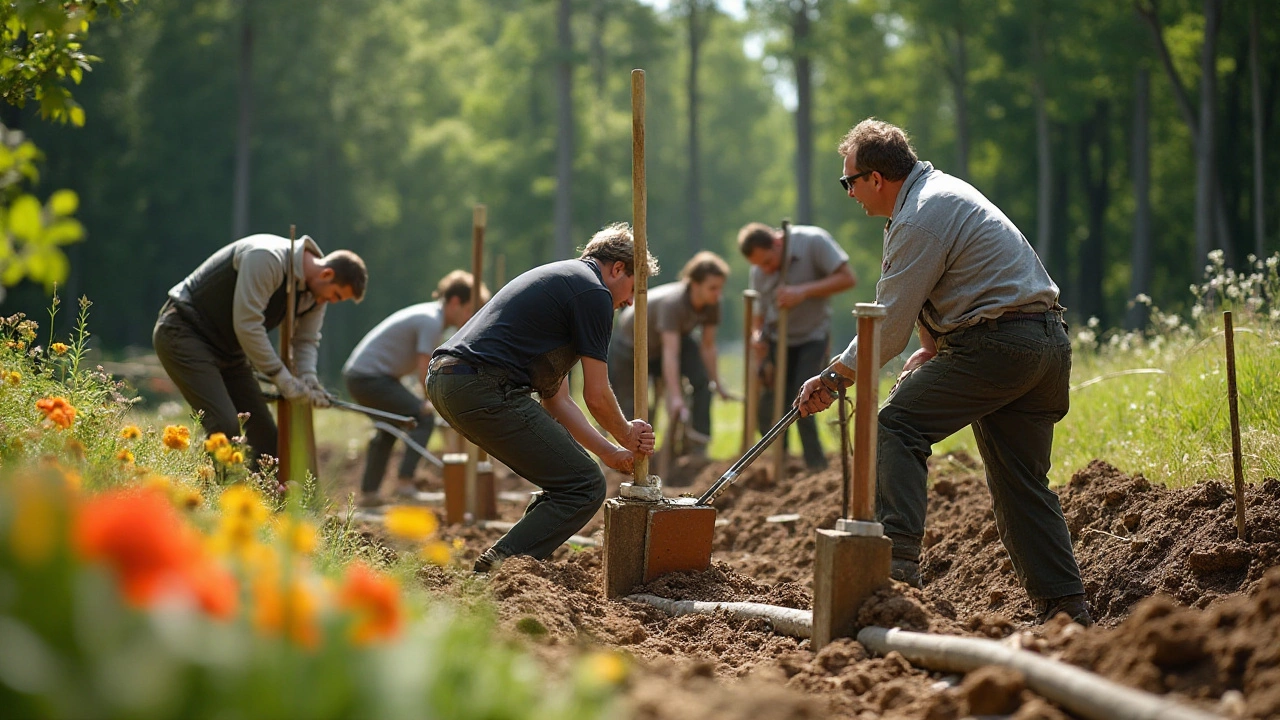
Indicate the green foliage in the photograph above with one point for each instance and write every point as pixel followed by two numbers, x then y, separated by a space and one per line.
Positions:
pixel 73 643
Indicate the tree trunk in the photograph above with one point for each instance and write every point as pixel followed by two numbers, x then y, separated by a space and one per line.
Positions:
pixel 564 133
pixel 244 129
pixel 1044 148
pixel 1095 132
pixel 804 115
pixel 1206 158
pixel 598 16
pixel 959 84
pixel 1140 253
pixel 1259 186
pixel 697 31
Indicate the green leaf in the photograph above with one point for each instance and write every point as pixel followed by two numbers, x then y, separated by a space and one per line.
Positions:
pixel 24 218
pixel 76 114
pixel 6 159
pixel 63 232
pixel 62 203
pixel 13 272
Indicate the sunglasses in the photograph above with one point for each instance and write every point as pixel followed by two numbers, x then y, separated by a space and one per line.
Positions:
pixel 846 181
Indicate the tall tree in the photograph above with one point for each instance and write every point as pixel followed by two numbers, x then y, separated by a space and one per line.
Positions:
pixel 802 54
pixel 1140 251
pixel 1044 147
pixel 564 131
pixel 1255 94
pixel 700 13
pixel 1095 167
pixel 244 126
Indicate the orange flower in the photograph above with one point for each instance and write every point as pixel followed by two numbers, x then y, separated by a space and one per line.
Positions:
pixel 215 441
pixel 375 600
pixel 152 551
pixel 125 456
pixel 57 411
pixel 296 605
pixel 130 432
pixel 59 348
pixel 177 437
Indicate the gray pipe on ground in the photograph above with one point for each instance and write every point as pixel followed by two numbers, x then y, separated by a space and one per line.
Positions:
pixel 1075 689
pixel 1079 691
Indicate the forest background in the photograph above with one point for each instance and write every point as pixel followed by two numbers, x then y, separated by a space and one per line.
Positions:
pixel 1126 139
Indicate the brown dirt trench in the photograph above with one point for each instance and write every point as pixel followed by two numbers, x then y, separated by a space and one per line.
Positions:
pixel 1182 606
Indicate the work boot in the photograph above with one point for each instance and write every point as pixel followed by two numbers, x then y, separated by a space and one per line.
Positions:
pixel 490 559
pixel 907 571
pixel 1075 606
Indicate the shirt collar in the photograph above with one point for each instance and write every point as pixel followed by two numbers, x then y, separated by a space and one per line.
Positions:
pixel 922 168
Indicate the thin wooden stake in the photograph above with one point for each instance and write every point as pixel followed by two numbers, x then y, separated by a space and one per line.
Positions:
pixel 1233 400
pixel 780 389
pixel 750 370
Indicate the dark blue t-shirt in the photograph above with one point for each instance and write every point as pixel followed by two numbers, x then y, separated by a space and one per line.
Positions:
pixel 538 325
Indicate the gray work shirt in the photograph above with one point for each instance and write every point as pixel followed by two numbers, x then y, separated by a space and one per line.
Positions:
pixel 670 310
pixel 393 346
pixel 951 260
pixel 814 256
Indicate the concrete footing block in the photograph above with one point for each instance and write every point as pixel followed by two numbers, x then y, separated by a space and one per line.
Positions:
pixel 645 540
pixel 847 570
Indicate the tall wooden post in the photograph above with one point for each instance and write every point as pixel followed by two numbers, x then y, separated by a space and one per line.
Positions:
pixel 750 386
pixel 866 411
pixel 639 227
pixel 781 396
pixel 1233 400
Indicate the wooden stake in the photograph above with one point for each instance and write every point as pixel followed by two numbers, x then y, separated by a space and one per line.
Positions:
pixel 750 386
pixel 1233 400
pixel 866 411
pixel 846 478
pixel 780 389
pixel 639 227
pixel 284 409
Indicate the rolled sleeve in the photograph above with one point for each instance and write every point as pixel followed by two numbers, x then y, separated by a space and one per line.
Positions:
pixel 306 340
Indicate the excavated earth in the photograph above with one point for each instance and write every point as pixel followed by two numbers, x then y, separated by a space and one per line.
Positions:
pixel 1183 607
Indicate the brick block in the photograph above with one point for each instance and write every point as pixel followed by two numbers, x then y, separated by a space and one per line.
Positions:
pixel 679 539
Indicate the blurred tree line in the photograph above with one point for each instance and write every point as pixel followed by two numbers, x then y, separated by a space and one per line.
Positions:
pixel 1125 139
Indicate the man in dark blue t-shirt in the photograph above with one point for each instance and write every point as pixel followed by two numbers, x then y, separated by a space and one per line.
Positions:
pixel 525 340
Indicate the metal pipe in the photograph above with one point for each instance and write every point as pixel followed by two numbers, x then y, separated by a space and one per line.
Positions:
pixel 410 443
pixel 731 475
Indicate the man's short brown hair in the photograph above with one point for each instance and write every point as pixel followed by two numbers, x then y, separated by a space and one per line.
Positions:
pixel 880 146
pixel 457 284
pixel 614 243
pixel 348 271
pixel 755 236
pixel 703 265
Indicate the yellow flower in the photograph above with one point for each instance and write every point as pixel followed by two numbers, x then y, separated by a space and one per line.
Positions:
pixel 187 498
pixel 298 534
pixel 130 432
pixel 459 544
pixel 177 437
pixel 13 377
pixel 125 457
pixel 59 348
pixel 158 482
pixel 242 502
pixel 215 441
pixel 604 668
pixel 228 455
pixel 410 523
pixel 436 553
pixel 34 532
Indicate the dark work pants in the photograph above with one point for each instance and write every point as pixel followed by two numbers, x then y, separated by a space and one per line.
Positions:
pixel 1010 381
pixel 215 386
pixel 622 378
pixel 803 362
pixel 502 418
pixel 383 392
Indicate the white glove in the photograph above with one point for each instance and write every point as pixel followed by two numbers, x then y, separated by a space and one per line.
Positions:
pixel 319 396
pixel 290 387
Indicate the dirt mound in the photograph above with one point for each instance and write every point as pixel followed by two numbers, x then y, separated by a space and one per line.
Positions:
pixel 1208 638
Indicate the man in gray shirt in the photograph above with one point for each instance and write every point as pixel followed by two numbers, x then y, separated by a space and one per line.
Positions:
pixel 675 310
pixel 212 330
pixel 817 269
pixel 399 346
pixel 994 354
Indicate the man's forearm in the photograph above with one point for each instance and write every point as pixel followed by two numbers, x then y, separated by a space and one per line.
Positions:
pixel 567 413
pixel 606 411
pixel 839 281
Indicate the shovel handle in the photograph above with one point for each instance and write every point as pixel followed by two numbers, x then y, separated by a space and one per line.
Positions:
pixel 731 475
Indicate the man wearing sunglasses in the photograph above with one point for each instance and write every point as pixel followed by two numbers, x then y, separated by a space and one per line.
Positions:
pixel 816 269
pixel 994 354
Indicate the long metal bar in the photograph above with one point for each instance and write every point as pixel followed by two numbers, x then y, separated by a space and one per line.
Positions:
pixel 731 475
pixel 410 443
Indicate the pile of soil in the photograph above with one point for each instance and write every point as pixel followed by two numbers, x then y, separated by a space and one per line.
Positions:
pixel 1183 607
